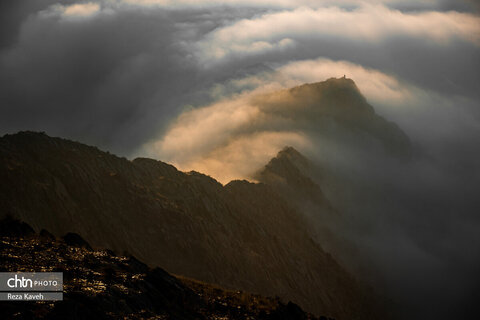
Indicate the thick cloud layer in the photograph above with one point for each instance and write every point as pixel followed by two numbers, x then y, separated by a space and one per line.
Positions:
pixel 113 73
pixel 180 81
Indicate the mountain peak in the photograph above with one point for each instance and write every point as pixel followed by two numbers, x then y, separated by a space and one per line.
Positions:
pixel 290 173
pixel 291 154
pixel 337 110
pixel 286 163
pixel 342 81
pixel 339 97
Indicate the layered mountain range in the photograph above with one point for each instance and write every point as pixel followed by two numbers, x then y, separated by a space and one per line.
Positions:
pixel 248 236
pixel 242 235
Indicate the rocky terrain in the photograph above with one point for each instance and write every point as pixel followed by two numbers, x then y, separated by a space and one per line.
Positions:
pixel 240 236
pixel 101 285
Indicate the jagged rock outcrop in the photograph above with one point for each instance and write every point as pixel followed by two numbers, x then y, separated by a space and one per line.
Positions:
pixel 242 235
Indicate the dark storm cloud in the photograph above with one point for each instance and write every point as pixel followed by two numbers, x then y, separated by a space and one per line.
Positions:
pixel 93 80
pixel 13 13
pixel 113 78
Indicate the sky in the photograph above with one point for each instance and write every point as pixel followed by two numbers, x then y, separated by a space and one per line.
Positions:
pixel 178 80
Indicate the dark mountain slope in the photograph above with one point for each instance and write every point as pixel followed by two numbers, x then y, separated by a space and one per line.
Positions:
pixel 101 285
pixel 242 236
pixel 289 174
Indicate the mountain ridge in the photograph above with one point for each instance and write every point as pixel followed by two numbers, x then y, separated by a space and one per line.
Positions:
pixel 242 235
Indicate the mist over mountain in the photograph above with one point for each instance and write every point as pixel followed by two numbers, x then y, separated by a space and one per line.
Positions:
pixel 233 138
pixel 358 200
pixel 241 235
pixel 382 173
pixel 406 203
pixel 402 206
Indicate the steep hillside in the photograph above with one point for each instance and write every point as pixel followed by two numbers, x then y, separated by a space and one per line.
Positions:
pixel 242 236
pixel 101 285
pixel 290 174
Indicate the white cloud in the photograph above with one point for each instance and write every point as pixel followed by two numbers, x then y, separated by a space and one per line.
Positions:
pixel 81 9
pixel 73 12
pixel 368 23
pixel 243 3
pixel 280 3
pixel 375 85
pixel 242 155
pixel 228 140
